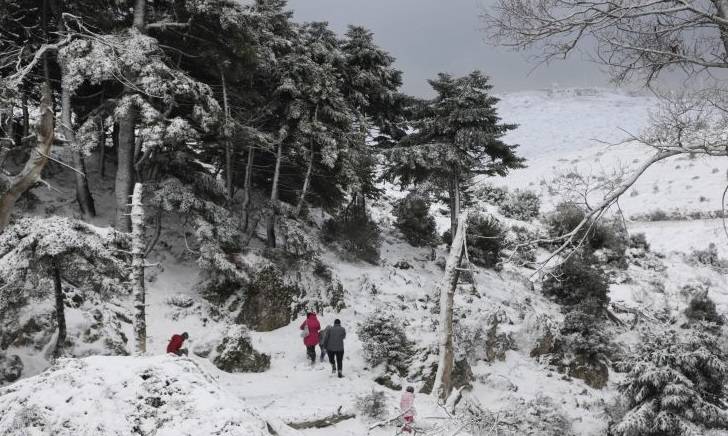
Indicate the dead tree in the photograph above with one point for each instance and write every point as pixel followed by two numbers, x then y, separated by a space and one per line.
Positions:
pixel 446 289
pixel 31 173
pixel 137 264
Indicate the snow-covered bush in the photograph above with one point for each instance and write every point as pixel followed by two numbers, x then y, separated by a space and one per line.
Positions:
pixel 578 281
pixel 702 309
pixel 384 341
pixel 521 205
pixel 485 240
pixel 414 220
pixel 708 257
pixel 583 332
pixel 606 234
pixel 296 240
pixel 520 245
pixel 540 416
pixel 490 194
pixel 236 353
pixel 639 242
pixel 675 385
pixel 372 405
pixel 358 234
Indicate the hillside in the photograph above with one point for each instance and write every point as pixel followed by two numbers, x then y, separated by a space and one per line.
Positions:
pixel 502 316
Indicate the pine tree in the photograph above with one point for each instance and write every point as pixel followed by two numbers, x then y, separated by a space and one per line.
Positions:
pixel 457 135
pixel 675 386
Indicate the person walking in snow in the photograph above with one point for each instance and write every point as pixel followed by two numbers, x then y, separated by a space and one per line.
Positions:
pixel 407 406
pixel 334 346
pixel 175 344
pixel 311 327
pixel 322 339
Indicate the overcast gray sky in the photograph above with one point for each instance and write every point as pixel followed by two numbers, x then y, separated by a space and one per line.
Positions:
pixel 431 36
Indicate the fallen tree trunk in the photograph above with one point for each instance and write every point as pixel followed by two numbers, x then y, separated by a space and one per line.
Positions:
pixel 323 422
pixel 30 175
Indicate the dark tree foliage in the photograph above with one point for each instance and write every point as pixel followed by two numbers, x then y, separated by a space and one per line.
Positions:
pixel 577 281
pixel 414 220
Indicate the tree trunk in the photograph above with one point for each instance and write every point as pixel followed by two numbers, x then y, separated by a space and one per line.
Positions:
pixel 125 153
pixel 446 288
pixel 454 188
pixel 26 116
pixel 83 193
pixel 137 252
pixel 102 147
pixel 60 312
pixel 270 225
pixel 271 219
pixel 246 187
pixel 125 168
pixel 306 182
pixel 140 7
pixel 226 138
pixel 35 163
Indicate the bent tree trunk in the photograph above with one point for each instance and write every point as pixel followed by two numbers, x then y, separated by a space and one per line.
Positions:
pixel 30 174
pixel 446 288
pixel 271 219
pixel 137 264
pixel 83 193
pixel 60 311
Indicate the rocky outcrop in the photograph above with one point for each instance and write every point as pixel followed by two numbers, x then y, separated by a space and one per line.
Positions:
pixel 11 368
pixel 236 353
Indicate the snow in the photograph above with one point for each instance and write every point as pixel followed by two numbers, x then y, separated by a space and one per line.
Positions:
pixel 559 131
pixel 161 395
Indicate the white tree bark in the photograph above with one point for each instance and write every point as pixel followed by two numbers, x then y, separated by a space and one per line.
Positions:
pixel 446 288
pixel 137 263
pixel 306 183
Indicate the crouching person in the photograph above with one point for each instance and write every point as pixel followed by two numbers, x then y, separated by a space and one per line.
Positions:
pixel 175 344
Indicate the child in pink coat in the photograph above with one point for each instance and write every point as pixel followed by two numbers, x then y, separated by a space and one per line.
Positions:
pixel 407 405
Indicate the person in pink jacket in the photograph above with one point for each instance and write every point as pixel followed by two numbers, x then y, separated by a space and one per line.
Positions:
pixel 311 339
pixel 407 406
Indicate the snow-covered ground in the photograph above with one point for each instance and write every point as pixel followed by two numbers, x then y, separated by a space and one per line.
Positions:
pixel 559 131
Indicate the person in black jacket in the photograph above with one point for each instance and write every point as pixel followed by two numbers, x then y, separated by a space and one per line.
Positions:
pixel 334 346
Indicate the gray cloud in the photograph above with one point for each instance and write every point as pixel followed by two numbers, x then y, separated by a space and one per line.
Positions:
pixel 431 36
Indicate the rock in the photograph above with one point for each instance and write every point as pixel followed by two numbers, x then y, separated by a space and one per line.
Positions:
pixel 236 353
pixel 496 344
pixel 594 373
pixel 498 382
pixel 11 368
pixel 268 302
pixel 181 301
pixel 386 381
pixel 544 345
pixel 203 349
pixel 462 375
pixel 403 264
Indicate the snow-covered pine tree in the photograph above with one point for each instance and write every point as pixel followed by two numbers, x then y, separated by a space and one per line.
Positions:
pixel 675 385
pixel 457 135
pixel 39 256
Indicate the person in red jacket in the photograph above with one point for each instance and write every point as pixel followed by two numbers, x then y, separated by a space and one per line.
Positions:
pixel 175 344
pixel 311 329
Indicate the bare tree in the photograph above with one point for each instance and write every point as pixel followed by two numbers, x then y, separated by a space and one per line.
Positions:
pixel 636 40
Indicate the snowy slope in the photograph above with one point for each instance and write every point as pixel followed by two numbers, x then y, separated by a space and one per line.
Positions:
pixel 559 131
pixel 160 395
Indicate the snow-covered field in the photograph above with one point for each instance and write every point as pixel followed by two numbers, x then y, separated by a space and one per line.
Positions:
pixel 560 131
